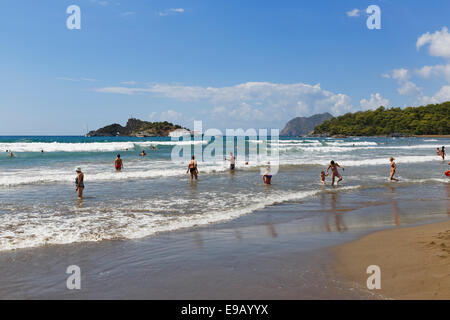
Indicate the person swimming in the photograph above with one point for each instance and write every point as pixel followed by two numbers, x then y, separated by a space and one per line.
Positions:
pixel 267 177
pixel 192 168
pixel 118 163
pixel 334 172
pixel 322 177
pixel 393 168
pixel 143 154
pixel 79 182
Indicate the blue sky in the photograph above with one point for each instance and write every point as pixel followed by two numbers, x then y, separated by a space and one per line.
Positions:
pixel 250 64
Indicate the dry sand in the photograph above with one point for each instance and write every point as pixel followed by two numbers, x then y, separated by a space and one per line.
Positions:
pixel 414 261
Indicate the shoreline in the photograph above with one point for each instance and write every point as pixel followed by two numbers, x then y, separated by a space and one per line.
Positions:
pixel 279 252
pixel 414 261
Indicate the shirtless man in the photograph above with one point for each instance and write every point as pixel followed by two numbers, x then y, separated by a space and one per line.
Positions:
pixel 334 172
pixel 232 160
pixel 118 164
pixel 192 168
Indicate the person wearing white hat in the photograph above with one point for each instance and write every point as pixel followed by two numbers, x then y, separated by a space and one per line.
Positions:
pixel 79 182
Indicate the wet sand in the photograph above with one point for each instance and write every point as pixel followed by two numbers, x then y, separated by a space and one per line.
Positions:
pixel 281 252
pixel 414 262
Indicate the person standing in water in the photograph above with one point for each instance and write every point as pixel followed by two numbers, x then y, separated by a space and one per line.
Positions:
pixel 79 182
pixel 232 160
pixel 443 152
pixel 118 164
pixel 393 168
pixel 192 168
pixel 334 172
pixel 267 177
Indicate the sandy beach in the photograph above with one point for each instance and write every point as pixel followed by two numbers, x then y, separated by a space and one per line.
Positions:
pixel 280 252
pixel 414 261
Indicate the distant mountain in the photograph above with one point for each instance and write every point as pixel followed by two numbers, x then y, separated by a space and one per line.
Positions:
pixel 302 126
pixel 136 128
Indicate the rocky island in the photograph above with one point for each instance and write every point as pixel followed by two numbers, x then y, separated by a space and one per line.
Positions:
pixel 138 128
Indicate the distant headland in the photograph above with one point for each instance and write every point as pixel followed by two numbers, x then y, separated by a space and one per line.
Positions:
pixel 430 120
pixel 139 128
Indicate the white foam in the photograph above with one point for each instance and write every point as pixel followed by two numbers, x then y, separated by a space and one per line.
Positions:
pixel 25 230
pixel 87 147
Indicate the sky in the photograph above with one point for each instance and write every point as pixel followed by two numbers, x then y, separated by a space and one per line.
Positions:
pixel 231 64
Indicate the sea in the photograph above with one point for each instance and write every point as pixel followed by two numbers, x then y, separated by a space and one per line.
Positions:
pixel 154 195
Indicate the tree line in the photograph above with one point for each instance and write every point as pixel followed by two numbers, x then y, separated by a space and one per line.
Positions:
pixel 433 119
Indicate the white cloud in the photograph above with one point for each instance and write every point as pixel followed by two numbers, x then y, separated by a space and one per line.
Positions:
pixel 400 74
pixel 375 101
pixel 353 13
pixel 129 83
pixel 171 11
pixel 247 102
pixel 442 95
pixel 409 88
pixel 435 71
pixel 439 43
pixel 171 115
pixel 127 13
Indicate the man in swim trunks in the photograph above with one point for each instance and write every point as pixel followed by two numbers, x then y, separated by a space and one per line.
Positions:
pixel 79 182
pixel 443 153
pixel 267 177
pixel 118 164
pixel 232 160
pixel 192 168
pixel 334 171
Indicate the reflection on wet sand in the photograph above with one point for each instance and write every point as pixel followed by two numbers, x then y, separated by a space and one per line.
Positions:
pixel 272 231
pixel 338 216
pixel 395 209
pixel 198 239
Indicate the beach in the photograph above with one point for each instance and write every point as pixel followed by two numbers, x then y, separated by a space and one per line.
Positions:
pixel 414 261
pixel 148 232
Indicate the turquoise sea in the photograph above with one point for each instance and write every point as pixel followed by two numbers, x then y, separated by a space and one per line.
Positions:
pixel 154 195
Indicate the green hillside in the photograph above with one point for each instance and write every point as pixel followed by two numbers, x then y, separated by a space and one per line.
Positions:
pixel 429 120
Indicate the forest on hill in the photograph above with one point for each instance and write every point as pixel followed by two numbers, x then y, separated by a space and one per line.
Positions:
pixel 432 119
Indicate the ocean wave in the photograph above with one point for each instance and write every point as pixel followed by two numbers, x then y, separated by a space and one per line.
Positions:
pixel 27 230
pixel 88 147
pixel 163 169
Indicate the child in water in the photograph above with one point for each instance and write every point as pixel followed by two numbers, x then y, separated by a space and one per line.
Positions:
pixel 322 177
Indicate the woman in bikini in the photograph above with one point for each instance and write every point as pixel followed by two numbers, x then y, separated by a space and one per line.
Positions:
pixel 118 164
pixel 79 182
pixel 334 171
pixel 393 168
pixel 192 168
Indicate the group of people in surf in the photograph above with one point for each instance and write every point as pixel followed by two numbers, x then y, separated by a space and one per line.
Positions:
pixel 266 177
pixel 441 152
